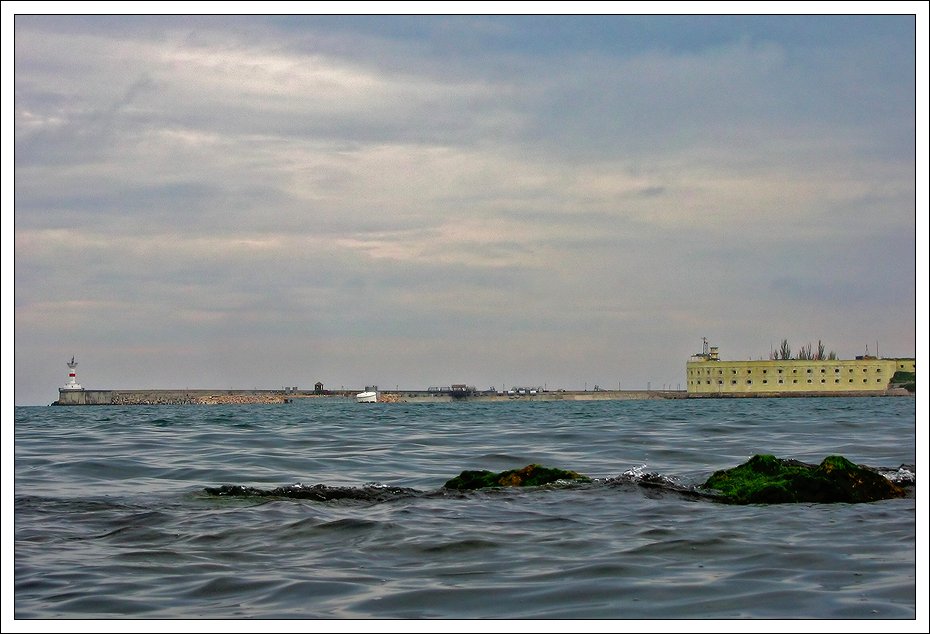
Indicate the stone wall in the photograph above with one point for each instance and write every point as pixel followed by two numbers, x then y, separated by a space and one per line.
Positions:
pixel 170 397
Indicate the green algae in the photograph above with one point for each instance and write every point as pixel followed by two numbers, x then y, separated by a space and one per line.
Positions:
pixel 529 476
pixel 765 479
pixel 907 380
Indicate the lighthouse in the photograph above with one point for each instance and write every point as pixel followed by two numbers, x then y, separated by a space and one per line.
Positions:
pixel 72 383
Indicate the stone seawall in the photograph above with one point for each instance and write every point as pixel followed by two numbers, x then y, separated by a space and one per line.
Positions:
pixel 271 397
pixel 121 398
pixel 245 397
pixel 414 396
pixel 171 397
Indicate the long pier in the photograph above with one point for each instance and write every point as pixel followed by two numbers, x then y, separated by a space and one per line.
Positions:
pixel 255 396
pixel 216 397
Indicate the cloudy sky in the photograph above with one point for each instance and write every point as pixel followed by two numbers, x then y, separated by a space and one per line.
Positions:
pixel 413 201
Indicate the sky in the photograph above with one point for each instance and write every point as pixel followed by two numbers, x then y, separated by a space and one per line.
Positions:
pixel 564 201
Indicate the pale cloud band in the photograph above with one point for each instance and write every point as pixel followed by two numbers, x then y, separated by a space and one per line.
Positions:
pixel 441 190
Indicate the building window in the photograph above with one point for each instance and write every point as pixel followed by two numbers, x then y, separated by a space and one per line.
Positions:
pixel 733 382
pixel 748 371
pixel 808 370
pixel 781 380
pixel 809 381
pixel 765 380
pixel 734 371
pixel 719 382
pixel 837 370
pixel 794 380
pixel 823 380
pixel 748 381
pixel 794 371
pixel 765 371
pixel 836 380
pixel 822 370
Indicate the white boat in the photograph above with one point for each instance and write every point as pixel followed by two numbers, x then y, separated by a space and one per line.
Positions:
pixel 366 397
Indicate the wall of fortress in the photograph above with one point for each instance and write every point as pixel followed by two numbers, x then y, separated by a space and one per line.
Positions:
pixel 787 376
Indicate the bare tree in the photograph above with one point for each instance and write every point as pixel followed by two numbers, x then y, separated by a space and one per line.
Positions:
pixel 784 352
pixel 805 352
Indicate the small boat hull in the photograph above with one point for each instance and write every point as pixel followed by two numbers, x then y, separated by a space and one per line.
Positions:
pixel 366 397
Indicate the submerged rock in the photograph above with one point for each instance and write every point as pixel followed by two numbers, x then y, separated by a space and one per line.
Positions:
pixel 318 492
pixel 529 476
pixel 765 479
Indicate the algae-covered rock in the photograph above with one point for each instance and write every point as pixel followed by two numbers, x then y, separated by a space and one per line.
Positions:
pixel 765 479
pixel 529 476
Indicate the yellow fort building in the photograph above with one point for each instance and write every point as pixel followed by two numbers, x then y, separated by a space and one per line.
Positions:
pixel 709 376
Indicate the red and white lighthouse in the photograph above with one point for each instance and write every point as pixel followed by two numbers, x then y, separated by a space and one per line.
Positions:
pixel 72 383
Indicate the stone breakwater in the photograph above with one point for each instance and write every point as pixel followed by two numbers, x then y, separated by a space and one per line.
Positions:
pixel 174 397
pixel 212 399
pixel 256 396
pixel 271 397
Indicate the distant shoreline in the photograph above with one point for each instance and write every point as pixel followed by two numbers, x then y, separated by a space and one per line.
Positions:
pixel 249 397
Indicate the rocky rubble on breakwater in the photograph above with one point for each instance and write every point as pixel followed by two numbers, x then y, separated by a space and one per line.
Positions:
pixel 241 399
pixel 199 399
pixel 389 397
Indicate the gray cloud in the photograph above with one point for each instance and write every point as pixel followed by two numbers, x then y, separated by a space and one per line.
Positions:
pixel 425 200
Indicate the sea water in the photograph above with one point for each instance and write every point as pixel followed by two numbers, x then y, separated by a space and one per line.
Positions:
pixel 113 519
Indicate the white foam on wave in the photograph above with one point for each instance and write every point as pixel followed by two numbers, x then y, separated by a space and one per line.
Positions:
pixel 635 473
pixel 901 475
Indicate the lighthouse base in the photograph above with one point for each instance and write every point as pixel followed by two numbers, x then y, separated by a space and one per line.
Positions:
pixel 74 396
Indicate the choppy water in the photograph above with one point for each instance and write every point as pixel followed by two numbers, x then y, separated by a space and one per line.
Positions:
pixel 112 519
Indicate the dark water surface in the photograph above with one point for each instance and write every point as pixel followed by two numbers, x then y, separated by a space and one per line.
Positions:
pixel 112 519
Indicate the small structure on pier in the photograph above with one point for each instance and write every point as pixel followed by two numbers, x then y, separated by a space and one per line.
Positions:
pixel 72 383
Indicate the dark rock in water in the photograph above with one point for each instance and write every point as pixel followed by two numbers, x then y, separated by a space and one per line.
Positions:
pixel 318 492
pixel 765 479
pixel 529 476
